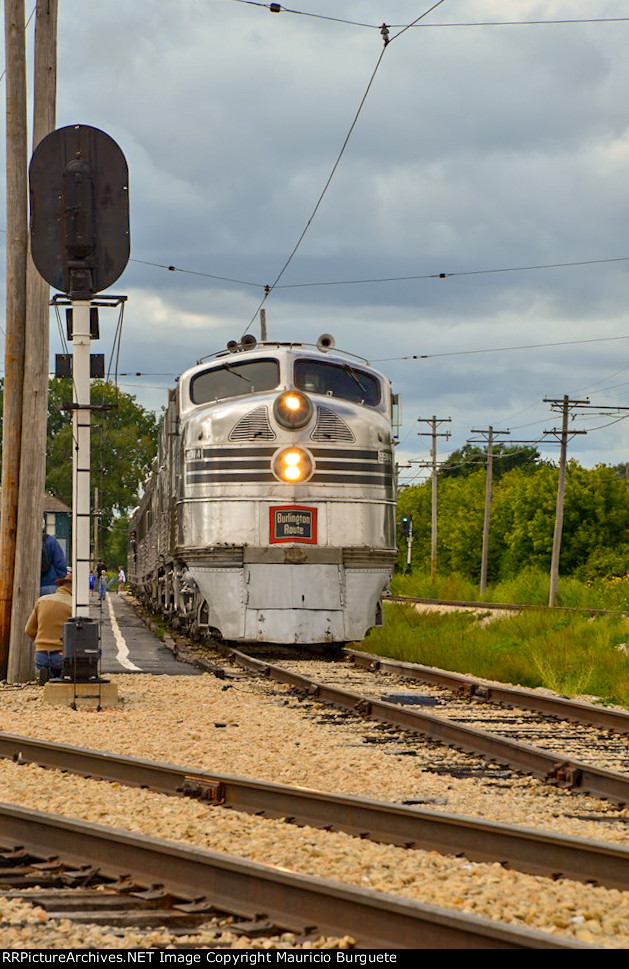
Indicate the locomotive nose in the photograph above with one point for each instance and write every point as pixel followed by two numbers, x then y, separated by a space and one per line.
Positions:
pixel 292 409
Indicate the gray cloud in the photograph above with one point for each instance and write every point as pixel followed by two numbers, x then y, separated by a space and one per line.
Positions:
pixel 478 148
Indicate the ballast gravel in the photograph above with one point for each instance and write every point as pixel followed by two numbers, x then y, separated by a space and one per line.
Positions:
pixel 26 926
pixel 254 728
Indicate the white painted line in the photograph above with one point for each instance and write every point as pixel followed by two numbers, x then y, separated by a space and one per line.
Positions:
pixel 123 650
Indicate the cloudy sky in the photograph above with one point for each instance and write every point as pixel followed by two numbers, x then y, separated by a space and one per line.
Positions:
pixel 497 154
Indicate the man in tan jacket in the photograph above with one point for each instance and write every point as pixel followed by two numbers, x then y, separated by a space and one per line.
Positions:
pixel 45 627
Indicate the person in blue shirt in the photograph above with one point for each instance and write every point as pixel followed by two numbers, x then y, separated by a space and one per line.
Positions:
pixel 53 565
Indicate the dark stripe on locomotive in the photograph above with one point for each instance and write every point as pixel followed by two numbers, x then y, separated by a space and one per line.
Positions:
pixel 209 477
pixel 317 452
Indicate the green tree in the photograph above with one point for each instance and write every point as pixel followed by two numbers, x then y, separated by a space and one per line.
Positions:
pixel 460 524
pixel 595 538
pixel 116 543
pixel 470 458
pixel 123 444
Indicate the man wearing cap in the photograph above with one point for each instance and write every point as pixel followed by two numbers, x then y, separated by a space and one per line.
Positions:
pixel 45 627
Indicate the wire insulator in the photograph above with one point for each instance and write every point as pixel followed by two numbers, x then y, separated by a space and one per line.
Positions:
pixel 275 7
pixel 384 30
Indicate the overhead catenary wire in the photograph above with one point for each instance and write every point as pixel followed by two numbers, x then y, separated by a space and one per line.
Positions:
pixel 386 44
pixel 269 289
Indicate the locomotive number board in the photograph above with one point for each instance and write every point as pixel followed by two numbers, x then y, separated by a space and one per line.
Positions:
pixel 293 523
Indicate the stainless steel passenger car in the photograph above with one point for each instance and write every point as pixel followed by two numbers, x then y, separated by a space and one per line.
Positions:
pixel 270 512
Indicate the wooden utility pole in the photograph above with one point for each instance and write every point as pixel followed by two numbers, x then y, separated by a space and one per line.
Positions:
pixel 17 232
pixel 563 436
pixel 32 481
pixel 565 405
pixel 434 423
pixel 488 437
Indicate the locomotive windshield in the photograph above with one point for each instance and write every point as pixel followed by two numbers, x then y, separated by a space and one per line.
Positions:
pixel 234 380
pixel 337 380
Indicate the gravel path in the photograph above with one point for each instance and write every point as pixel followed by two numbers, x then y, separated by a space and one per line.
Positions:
pixel 256 728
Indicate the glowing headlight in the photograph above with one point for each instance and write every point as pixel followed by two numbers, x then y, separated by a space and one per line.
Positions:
pixel 292 409
pixel 293 465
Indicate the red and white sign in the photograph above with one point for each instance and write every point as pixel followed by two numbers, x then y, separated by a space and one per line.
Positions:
pixel 293 523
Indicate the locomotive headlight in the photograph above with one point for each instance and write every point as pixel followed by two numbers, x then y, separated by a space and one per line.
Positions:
pixel 293 465
pixel 292 409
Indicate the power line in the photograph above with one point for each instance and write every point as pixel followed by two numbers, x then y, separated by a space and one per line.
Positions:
pixel 193 272
pixel 278 8
pixel 386 279
pixel 527 346
pixel 448 275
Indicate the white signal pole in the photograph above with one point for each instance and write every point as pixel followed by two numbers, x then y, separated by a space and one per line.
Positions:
pixel 81 518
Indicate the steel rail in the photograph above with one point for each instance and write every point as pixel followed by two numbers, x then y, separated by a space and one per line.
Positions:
pixel 524 849
pixel 550 766
pixel 298 902
pixel 507 606
pixel 585 713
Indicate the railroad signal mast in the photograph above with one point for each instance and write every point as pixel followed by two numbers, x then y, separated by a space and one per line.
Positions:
pixel 80 245
pixel 406 528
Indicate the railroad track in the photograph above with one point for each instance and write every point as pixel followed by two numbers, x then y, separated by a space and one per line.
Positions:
pixel 553 767
pixel 523 849
pixel 507 606
pixel 510 696
pixel 209 881
pixel 446 832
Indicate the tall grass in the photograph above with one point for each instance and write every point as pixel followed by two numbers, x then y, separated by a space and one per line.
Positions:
pixel 530 587
pixel 571 654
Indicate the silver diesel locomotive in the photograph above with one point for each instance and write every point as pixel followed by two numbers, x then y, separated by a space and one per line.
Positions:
pixel 269 514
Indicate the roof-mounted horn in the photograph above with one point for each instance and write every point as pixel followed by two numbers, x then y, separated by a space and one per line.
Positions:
pixel 326 342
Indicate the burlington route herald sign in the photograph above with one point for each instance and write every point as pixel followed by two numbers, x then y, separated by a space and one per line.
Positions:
pixel 293 523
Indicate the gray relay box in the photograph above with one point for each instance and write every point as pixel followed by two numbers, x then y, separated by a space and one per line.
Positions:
pixel 81 650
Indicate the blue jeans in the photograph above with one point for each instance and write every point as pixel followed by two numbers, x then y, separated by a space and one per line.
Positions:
pixel 50 660
pixel 102 588
pixel 47 590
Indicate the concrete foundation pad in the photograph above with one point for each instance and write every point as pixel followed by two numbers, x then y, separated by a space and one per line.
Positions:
pixel 86 696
